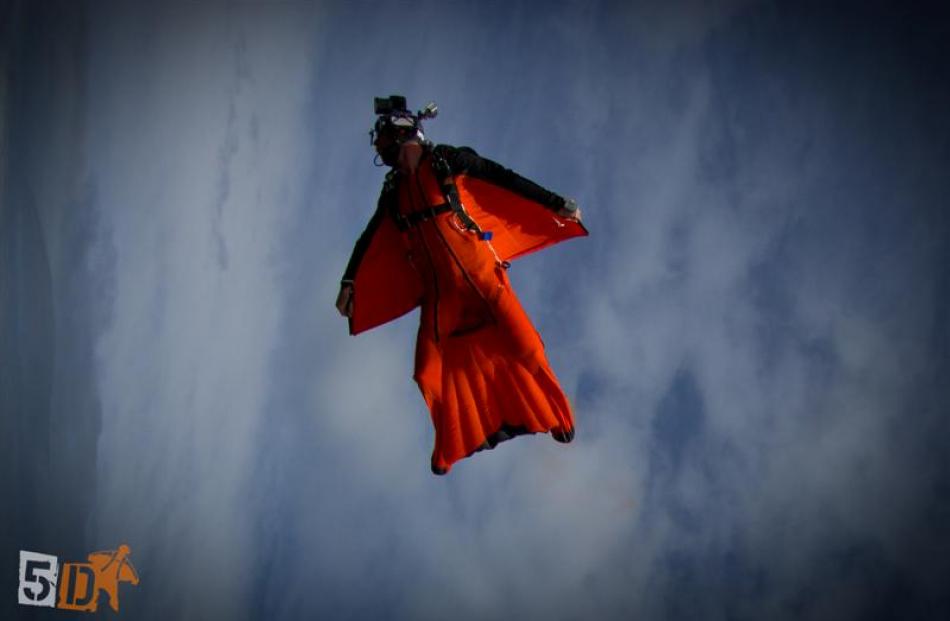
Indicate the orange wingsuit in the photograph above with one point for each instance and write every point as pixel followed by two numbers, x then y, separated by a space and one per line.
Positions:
pixel 479 361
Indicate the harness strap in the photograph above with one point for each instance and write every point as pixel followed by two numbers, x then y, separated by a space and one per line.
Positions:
pixel 406 222
pixel 444 175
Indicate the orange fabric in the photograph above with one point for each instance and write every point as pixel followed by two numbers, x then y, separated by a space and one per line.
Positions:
pixel 487 370
pixel 519 226
pixel 387 286
pixel 480 363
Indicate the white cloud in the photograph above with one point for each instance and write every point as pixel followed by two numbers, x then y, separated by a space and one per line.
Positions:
pixel 243 428
pixel 193 201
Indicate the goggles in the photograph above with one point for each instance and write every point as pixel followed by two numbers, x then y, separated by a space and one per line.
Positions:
pixel 400 127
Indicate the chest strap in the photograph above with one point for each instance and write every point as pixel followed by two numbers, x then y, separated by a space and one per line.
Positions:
pixel 406 222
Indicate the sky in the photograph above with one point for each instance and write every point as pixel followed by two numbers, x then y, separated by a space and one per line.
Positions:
pixel 754 335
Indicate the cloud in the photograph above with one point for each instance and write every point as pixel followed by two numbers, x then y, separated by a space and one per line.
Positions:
pixel 193 159
pixel 753 335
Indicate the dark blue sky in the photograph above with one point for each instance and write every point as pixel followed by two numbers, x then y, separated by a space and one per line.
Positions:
pixel 755 334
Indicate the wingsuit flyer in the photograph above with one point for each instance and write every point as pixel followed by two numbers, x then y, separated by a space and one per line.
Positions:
pixel 447 226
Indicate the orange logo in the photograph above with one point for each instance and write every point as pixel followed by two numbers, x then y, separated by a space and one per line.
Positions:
pixel 79 583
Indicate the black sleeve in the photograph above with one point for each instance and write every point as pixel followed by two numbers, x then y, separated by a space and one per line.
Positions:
pixel 359 249
pixel 464 160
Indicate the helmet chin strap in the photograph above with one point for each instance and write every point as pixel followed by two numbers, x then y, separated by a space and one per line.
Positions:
pixel 389 155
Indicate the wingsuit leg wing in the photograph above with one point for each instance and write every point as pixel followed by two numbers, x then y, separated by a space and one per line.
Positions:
pixel 487 384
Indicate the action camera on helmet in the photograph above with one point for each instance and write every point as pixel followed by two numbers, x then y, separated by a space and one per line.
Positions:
pixel 390 105
pixel 397 124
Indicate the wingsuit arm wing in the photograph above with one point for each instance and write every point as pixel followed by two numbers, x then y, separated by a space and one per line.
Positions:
pixel 462 160
pixel 521 215
pixel 385 286
pixel 362 243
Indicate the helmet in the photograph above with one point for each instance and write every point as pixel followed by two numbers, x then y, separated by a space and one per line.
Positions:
pixel 397 123
pixel 399 127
